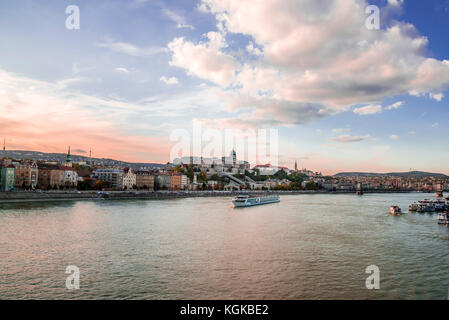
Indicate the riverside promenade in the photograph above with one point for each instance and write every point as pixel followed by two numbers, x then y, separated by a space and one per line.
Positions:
pixel 27 196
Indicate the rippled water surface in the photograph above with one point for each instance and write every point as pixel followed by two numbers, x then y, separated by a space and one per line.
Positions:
pixel 305 247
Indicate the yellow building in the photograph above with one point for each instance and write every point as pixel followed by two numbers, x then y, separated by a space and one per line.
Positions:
pixel 178 181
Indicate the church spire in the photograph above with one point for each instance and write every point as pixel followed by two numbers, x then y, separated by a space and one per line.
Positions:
pixel 68 159
pixel 234 156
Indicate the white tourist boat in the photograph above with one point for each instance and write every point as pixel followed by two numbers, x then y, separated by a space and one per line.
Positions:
pixel 247 201
pixel 395 210
pixel 442 218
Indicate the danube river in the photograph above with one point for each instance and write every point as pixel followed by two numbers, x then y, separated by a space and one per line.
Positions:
pixel 305 247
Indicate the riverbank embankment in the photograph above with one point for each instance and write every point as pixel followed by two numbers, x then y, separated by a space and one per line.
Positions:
pixel 27 196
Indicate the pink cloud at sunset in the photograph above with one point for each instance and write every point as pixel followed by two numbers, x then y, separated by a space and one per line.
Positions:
pixel 41 116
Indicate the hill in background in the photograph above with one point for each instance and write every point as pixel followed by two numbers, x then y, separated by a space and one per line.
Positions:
pixel 43 156
pixel 409 174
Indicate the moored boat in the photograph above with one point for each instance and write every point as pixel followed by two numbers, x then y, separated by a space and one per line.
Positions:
pixel 395 210
pixel 421 208
pixel 442 218
pixel 247 201
pixel 426 205
pixel 439 206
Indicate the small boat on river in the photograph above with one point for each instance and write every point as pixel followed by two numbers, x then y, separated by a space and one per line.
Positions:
pixel 413 207
pixel 395 210
pixel 442 218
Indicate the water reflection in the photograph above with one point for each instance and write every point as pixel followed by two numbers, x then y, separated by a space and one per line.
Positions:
pixel 305 247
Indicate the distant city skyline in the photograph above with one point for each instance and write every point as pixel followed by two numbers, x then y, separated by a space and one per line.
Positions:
pixel 25 154
pixel 343 97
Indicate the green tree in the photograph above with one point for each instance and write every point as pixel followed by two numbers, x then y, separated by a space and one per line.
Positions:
pixel 202 177
pixel 310 185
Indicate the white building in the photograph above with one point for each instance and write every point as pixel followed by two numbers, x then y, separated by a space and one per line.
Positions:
pixel 266 169
pixel 212 183
pixel 218 164
pixel 129 179
pixel 70 177
pixel 184 182
pixel 309 173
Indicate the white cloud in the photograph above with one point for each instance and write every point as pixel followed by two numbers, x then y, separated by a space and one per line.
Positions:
pixel 171 80
pixel 436 96
pixel 293 68
pixel 205 59
pixel 395 105
pixel 435 125
pixel 371 109
pixel 177 18
pixel 121 69
pixel 394 137
pixel 395 2
pixel 346 138
pixel 340 130
pixel 412 132
pixel 65 83
pixel 186 26
pixel 130 49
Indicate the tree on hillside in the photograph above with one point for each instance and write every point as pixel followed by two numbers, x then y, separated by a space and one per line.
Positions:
pixel 100 185
pixel 178 169
pixel 310 185
pixel 202 177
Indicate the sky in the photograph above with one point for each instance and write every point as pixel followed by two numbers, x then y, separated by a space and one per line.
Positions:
pixel 343 97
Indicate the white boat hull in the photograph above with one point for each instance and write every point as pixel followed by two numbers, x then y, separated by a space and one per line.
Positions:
pixel 251 202
pixel 442 218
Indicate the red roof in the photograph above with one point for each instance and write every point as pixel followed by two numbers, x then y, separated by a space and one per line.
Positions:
pixel 66 168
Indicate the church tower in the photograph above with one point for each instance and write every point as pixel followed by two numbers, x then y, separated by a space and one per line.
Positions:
pixel 296 166
pixel 68 159
pixel 234 157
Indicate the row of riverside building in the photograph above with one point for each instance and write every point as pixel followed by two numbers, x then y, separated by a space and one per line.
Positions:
pixel 192 173
pixel 34 175
pixel 128 178
pixel 30 175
